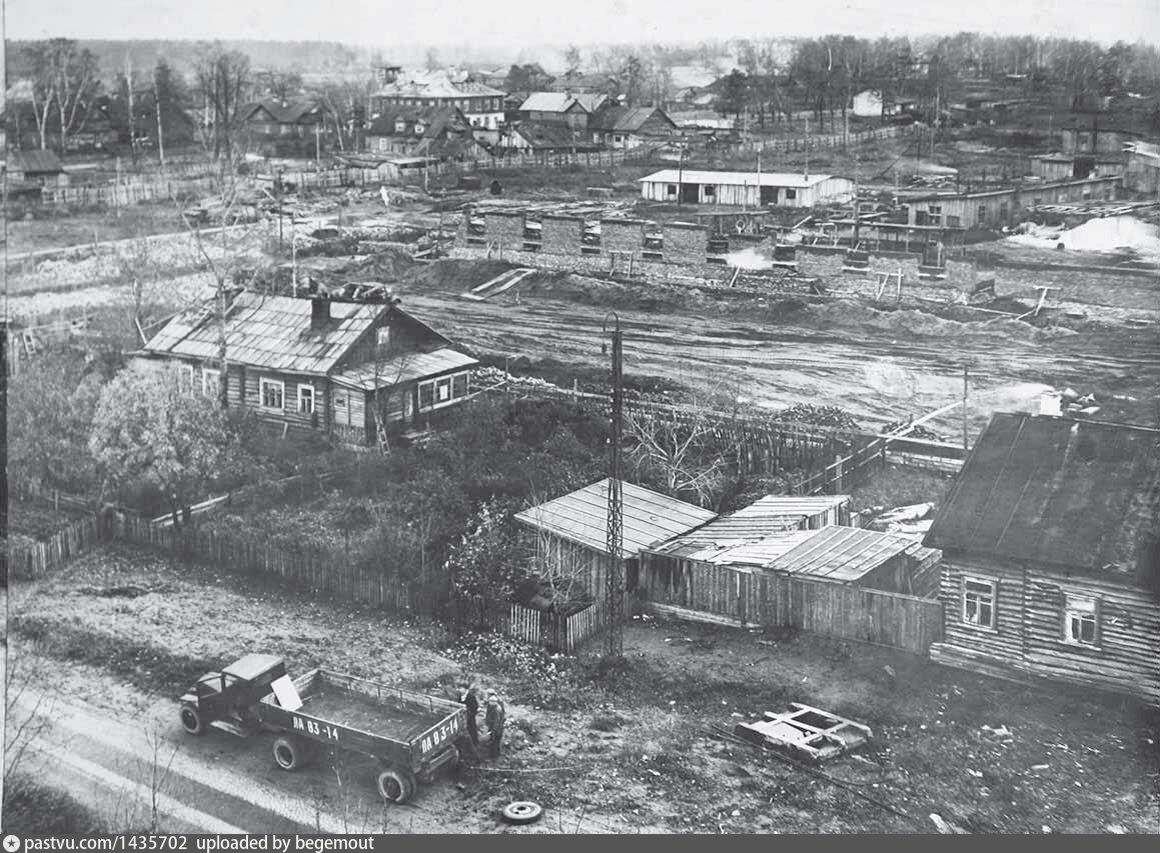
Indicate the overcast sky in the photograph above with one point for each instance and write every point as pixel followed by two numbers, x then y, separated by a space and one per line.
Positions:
pixel 492 23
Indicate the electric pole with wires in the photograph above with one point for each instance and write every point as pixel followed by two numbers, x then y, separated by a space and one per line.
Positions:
pixel 614 579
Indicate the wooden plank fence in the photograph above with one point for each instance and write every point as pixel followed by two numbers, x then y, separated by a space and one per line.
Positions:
pixel 825 140
pixel 30 561
pixel 125 194
pixel 769 599
pixel 564 634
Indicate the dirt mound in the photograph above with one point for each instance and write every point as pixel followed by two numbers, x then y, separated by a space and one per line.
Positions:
pixel 912 321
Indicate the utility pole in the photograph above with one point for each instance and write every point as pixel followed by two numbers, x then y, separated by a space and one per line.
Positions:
pixel 966 446
pixel 132 114
pixel 614 582
pixel 157 106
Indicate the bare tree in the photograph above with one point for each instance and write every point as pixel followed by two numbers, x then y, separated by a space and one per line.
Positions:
pixel 222 77
pixel 64 83
pixel 677 451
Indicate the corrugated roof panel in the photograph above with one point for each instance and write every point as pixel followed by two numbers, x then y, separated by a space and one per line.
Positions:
pixel 767 179
pixel 404 369
pixel 841 553
pixel 582 517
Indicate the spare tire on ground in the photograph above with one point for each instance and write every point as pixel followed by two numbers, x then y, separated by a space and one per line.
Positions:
pixel 522 811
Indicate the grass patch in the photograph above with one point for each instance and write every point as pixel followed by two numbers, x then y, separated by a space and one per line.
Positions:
pixel 31 808
pixel 898 486
pixel 146 667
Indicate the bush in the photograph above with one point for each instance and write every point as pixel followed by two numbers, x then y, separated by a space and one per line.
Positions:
pixel 31 808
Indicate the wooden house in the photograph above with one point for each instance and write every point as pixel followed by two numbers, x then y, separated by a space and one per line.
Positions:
pixel 630 127
pixel 39 167
pixel 564 108
pixel 406 129
pixel 571 531
pixel 351 370
pixel 1051 543
pixel 1007 206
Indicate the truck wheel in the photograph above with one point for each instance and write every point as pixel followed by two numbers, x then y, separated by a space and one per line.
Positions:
pixel 395 786
pixel 290 753
pixel 522 811
pixel 191 720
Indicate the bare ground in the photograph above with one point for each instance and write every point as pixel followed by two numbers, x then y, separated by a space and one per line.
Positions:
pixel 630 751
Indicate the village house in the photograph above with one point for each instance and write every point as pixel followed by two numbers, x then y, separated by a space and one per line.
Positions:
pixel 578 83
pixel 1051 549
pixel 571 532
pixel 285 128
pixel 871 103
pixel 573 110
pixel 536 138
pixel 350 370
pixel 1063 167
pixel 401 129
pixel 996 208
pixel 40 168
pixel 1093 139
pixel 744 189
pixel 482 105
pixel 629 127
pixel 1142 171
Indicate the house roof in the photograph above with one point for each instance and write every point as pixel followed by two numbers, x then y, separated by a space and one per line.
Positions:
pixel 761 527
pixel 552 136
pixel 34 161
pixel 648 517
pixel 845 554
pixel 1075 494
pixel 437 85
pixel 283 112
pixel 269 331
pixel 768 179
pixel 403 368
pixel 437 120
pixel 626 119
pixel 551 102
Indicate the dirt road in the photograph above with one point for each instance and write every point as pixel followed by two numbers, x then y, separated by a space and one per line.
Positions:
pixel 880 366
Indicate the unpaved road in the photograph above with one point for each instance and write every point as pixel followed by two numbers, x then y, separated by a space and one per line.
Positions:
pixel 882 367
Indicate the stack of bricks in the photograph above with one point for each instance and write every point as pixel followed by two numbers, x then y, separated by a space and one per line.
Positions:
pixel 506 227
pixel 622 235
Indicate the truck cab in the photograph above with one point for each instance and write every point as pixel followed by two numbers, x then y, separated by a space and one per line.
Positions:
pixel 228 699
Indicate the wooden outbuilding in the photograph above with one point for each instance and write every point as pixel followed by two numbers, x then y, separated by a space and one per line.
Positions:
pixel 744 189
pixel 1051 544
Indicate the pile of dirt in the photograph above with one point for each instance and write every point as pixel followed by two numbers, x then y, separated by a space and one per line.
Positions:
pixel 807 413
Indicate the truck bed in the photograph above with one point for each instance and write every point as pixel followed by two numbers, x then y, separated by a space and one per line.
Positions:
pixel 355 710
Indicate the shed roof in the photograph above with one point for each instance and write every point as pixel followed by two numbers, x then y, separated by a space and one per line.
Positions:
pixel 1079 495
pixel 761 527
pixel 626 119
pixel 270 331
pixel 552 102
pixel 844 554
pixel 34 161
pixel 283 112
pixel 404 368
pixel 582 517
pixel 767 179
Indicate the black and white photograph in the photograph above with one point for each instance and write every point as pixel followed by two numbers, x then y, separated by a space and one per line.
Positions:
pixel 618 417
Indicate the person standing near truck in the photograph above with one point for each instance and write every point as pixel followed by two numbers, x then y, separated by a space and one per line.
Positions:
pixel 470 699
pixel 494 718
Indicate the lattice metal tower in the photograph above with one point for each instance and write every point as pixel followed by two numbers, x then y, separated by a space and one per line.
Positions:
pixel 614 579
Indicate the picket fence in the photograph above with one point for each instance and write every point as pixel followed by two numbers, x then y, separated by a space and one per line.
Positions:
pixel 126 194
pixel 820 141
pixel 555 632
pixel 38 559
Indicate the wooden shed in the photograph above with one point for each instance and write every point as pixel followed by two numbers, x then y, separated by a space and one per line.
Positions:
pixel 1051 543
pixel 745 189
pixel 571 531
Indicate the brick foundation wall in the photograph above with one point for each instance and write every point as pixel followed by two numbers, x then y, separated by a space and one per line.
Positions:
pixel 508 228
pixel 561 235
pixel 685 244
pixel 622 235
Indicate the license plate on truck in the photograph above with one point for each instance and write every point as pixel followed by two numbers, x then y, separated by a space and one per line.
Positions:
pixel 306 725
pixel 438 735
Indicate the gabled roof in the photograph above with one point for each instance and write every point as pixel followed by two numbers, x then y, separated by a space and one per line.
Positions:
pixel 34 161
pixel 626 119
pixel 551 136
pixel 273 332
pixel 582 517
pixel 437 120
pixel 551 102
pixel 1077 495
pixel 845 554
pixel 283 112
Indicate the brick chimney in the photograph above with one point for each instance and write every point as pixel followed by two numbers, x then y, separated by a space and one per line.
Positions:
pixel 319 311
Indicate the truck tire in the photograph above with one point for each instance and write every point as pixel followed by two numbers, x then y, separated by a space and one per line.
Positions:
pixel 396 786
pixel 290 753
pixel 522 811
pixel 191 720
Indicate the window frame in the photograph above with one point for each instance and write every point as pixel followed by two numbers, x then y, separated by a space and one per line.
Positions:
pixel 791 193
pixel 217 379
pixel 993 584
pixel 1086 608
pixel 309 387
pixel 430 388
pixel 263 383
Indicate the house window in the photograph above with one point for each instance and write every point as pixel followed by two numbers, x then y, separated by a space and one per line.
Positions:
pixel 934 208
pixel 1003 211
pixel 382 143
pixel 443 391
pixel 710 191
pixel 790 194
pixel 1080 620
pixel 954 222
pixel 400 126
pixel 671 190
pixel 981 218
pixel 342 408
pixel 306 399
pixel 459 385
pixel 383 336
pixel 185 378
pixel 979 602
pixel 271 393
pixel 211 382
